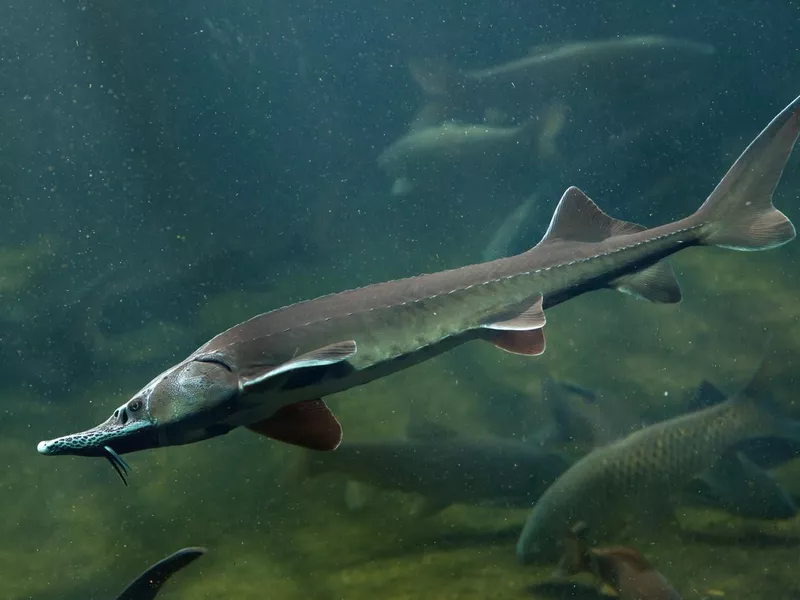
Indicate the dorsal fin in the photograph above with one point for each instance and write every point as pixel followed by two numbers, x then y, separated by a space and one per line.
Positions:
pixel 578 219
pixel 706 395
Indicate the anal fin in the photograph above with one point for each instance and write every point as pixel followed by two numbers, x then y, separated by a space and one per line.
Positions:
pixel 309 424
pixel 656 284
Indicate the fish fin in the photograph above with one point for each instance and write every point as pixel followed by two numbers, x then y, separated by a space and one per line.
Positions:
pixel 771 412
pixel 554 120
pixel 430 115
pixel 427 507
pixel 525 343
pixel 746 490
pixel 578 219
pixel 423 429
pixel 308 423
pixel 402 186
pixel 656 284
pixel 147 585
pixel 739 212
pixel 532 318
pixel 630 556
pixel 706 395
pixel 435 77
pixel 356 495
pixel 321 357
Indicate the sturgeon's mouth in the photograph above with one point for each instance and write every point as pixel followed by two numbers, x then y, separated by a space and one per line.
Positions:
pixel 108 440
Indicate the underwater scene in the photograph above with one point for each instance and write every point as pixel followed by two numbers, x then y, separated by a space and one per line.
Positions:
pixel 366 300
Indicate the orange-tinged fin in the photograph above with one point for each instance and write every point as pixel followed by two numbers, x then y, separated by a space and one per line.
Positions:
pixel 739 211
pixel 320 357
pixel 578 219
pixel 656 284
pixel 526 343
pixel 309 424
pixel 629 556
pixel 532 318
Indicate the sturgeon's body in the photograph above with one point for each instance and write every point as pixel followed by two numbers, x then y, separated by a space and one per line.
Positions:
pixel 270 372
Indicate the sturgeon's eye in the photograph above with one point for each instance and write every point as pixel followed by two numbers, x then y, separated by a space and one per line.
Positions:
pixel 134 405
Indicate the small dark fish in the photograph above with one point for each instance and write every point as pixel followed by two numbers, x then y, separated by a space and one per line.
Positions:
pixel 625 570
pixel 445 467
pixel 147 585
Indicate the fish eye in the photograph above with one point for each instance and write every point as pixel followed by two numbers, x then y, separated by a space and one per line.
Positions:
pixel 134 405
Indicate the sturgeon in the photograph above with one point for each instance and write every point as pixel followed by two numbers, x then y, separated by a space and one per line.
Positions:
pixel 271 373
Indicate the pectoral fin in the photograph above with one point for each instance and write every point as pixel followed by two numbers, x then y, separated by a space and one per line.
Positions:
pixel 309 424
pixel 532 318
pixel 327 355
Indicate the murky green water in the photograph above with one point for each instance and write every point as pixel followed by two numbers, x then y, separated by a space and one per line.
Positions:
pixel 173 170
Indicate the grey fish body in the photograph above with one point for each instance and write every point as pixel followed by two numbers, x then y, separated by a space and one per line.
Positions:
pixel 271 372
pixel 626 63
pixel 566 63
pixel 642 469
pixel 454 470
pixel 453 148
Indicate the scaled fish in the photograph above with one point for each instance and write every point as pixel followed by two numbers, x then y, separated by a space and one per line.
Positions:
pixel 445 467
pixel 629 574
pixel 270 373
pixel 639 473
pixel 734 483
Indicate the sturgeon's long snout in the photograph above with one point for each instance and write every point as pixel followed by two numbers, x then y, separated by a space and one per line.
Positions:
pixel 127 430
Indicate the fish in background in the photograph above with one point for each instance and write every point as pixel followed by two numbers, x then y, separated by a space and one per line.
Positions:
pixel 510 230
pixel 619 67
pixel 582 420
pixel 148 584
pixel 434 153
pixel 637 475
pixel 271 373
pixel 443 466
pixel 767 452
pixel 738 482
pixel 625 570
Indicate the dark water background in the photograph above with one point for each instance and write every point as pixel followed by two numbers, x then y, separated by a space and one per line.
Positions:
pixel 168 169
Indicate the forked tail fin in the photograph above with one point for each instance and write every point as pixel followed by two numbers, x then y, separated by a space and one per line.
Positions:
pixel 739 211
